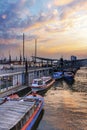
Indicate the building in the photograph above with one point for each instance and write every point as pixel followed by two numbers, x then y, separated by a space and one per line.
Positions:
pixel 73 58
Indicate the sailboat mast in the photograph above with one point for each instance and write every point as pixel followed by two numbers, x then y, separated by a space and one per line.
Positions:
pixel 23 49
pixel 35 50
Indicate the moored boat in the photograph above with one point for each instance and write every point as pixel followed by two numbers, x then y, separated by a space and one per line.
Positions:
pixel 68 75
pixel 20 113
pixel 42 84
pixel 2 100
pixel 57 75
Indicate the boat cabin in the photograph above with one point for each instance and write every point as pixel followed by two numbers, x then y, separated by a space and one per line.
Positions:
pixel 37 82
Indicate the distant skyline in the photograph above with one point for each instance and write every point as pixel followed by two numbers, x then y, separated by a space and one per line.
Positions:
pixel 60 27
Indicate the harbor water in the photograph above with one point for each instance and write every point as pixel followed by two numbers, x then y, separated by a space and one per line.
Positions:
pixel 65 106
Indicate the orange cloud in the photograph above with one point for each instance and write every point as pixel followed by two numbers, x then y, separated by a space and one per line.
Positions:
pixel 62 2
pixel 66 36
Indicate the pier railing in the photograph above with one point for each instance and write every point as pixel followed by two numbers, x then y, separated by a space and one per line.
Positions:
pixel 10 79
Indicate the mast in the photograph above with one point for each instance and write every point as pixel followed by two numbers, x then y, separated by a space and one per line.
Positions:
pixel 35 50
pixel 23 49
pixel 9 57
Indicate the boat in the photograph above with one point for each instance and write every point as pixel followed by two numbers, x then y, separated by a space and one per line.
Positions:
pixel 42 84
pixel 2 100
pixel 68 75
pixel 57 75
pixel 21 113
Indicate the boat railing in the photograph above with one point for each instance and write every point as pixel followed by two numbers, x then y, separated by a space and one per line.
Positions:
pixel 47 82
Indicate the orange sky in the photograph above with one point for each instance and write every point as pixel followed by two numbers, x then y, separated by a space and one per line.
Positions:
pixel 60 28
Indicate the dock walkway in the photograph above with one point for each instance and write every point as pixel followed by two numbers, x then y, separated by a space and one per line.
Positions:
pixel 12 91
pixel 12 81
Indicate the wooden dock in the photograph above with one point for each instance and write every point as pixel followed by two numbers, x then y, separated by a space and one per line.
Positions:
pixel 13 90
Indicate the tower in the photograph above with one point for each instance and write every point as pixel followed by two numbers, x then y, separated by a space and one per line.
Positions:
pixel 9 57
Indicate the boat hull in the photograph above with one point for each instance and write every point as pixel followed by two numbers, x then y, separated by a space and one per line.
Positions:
pixel 35 117
pixel 57 75
pixel 68 76
pixel 42 89
pixel 30 123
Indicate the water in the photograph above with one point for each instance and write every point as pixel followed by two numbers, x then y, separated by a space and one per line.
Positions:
pixel 65 107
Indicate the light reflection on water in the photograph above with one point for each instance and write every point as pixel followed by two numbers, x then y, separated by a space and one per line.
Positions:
pixel 65 107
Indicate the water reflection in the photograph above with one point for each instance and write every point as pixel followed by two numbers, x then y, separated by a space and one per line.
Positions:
pixel 38 121
pixel 65 107
pixel 70 82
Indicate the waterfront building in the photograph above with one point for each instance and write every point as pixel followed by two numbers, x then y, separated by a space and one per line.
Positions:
pixel 73 58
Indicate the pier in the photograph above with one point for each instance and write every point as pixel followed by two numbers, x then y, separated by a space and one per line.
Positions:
pixel 19 77
pixel 12 81
pixel 43 65
pixel 65 101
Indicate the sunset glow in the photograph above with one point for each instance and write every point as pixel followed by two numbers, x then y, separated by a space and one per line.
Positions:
pixel 59 26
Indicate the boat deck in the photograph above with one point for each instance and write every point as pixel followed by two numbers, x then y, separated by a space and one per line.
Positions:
pixel 11 112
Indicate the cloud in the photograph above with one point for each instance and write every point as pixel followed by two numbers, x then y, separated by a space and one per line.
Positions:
pixel 72 8
pixel 51 21
pixel 62 2
pixel 8 46
pixel 4 16
pixel 55 12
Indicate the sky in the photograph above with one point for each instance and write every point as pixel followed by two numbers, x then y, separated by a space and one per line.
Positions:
pixel 60 27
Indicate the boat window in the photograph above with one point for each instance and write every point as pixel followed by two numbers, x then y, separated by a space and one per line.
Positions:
pixel 48 81
pixel 17 126
pixel 23 121
pixel 14 128
pixel 35 82
pixel 30 113
pixel 26 116
pixel 40 82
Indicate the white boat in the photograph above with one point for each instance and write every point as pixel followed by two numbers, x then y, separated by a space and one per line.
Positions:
pixel 20 113
pixel 42 84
